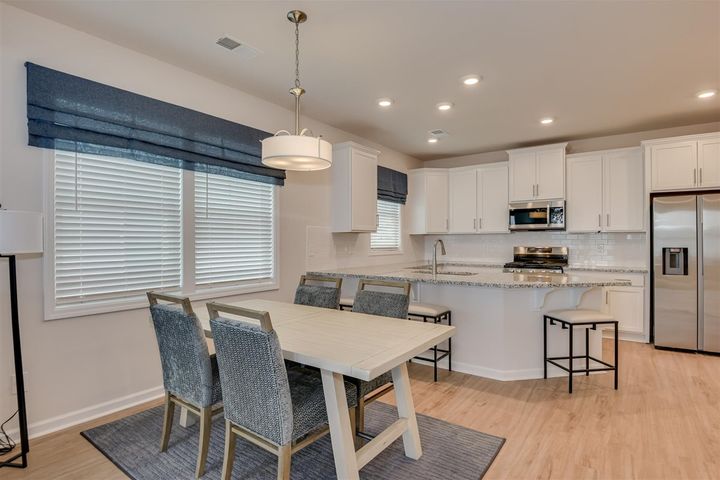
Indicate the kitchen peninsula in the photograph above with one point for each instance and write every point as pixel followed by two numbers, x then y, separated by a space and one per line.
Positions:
pixel 498 315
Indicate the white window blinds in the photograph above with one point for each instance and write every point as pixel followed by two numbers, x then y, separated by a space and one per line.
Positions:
pixel 387 236
pixel 117 228
pixel 234 229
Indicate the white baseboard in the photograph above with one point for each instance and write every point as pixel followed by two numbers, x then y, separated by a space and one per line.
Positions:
pixel 86 414
pixel 627 336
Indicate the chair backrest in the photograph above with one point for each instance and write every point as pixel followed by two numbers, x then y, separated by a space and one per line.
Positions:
pixel 184 355
pixel 318 295
pixel 254 381
pixel 387 304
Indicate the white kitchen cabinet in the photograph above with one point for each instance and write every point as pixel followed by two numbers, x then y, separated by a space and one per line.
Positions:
pixel 584 193
pixel 684 163
pixel 428 200
pixel 492 198
pixel 463 186
pixel 709 162
pixel 354 188
pixel 605 191
pixel 674 166
pixel 623 191
pixel 626 305
pixel 537 173
pixel 479 199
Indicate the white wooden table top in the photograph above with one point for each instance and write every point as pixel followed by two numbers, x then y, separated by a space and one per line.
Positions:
pixel 352 344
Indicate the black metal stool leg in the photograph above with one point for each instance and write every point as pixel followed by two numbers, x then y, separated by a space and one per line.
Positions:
pixel 616 355
pixel 570 360
pixel 587 352
pixel 449 319
pixel 544 346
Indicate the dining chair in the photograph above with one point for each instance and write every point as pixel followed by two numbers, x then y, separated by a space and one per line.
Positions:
pixel 326 296
pixel 277 408
pixel 387 304
pixel 190 373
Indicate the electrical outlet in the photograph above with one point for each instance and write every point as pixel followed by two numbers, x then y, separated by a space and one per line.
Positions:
pixel 13 386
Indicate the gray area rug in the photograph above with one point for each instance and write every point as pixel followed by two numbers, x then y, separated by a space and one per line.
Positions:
pixel 449 451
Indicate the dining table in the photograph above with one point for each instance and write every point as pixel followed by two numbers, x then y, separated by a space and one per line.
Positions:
pixel 355 345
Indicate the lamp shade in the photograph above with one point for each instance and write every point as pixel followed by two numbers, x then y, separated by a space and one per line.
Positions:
pixel 20 232
pixel 296 152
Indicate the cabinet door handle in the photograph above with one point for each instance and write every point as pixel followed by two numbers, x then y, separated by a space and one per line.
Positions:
pixel 600 220
pixel 480 223
pixel 701 182
pixel 606 297
pixel 474 223
pixel 694 176
pixel 377 220
pixel 447 224
pixel 607 220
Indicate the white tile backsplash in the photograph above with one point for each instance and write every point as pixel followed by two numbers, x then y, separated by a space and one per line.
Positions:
pixel 591 249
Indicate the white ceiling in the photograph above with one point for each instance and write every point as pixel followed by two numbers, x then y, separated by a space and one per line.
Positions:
pixel 598 67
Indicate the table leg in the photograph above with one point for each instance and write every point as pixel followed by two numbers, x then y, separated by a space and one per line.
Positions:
pixel 187 419
pixel 341 434
pixel 406 409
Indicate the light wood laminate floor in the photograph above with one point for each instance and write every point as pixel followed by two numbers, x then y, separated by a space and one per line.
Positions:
pixel 663 423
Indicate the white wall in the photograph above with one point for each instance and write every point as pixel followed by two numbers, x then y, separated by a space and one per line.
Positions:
pixel 623 140
pixel 79 363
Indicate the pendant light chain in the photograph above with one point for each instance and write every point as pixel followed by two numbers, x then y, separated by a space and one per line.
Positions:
pixel 297 55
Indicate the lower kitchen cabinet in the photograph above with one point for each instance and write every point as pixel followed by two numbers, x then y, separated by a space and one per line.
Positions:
pixel 626 305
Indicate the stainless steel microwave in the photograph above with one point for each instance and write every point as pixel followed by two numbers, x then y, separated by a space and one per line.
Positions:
pixel 538 215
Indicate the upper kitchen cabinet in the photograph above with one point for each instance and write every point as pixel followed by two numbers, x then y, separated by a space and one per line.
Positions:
pixel 428 200
pixel 537 173
pixel 605 191
pixel 684 163
pixel 354 188
pixel 479 199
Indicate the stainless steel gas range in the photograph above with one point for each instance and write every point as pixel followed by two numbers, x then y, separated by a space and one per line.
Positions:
pixel 538 260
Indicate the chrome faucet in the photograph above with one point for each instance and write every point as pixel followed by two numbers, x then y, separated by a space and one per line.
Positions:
pixel 434 260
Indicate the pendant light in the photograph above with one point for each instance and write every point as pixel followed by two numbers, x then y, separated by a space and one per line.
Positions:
pixel 300 151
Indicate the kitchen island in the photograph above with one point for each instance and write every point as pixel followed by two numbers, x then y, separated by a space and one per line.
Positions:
pixel 498 315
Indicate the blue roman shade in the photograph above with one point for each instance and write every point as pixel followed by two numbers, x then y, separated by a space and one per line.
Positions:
pixel 66 112
pixel 391 185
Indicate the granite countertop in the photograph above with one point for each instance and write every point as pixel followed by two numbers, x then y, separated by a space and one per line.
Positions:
pixel 602 268
pixel 472 275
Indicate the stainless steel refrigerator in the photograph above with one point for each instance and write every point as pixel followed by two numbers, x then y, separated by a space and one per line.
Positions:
pixel 686 272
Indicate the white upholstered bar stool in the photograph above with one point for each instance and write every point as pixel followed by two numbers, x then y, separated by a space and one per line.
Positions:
pixel 589 320
pixel 436 314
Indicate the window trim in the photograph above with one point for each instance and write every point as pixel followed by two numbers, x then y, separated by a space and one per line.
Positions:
pixel 390 251
pixel 54 312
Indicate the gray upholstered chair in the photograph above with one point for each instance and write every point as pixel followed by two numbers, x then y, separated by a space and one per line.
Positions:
pixel 326 296
pixel 387 304
pixel 190 373
pixel 277 408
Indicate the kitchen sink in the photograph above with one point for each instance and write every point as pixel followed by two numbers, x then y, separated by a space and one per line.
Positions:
pixel 442 272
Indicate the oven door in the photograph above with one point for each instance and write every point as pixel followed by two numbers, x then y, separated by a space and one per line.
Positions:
pixel 537 216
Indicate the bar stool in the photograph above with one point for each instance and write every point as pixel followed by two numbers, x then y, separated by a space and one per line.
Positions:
pixel 589 319
pixel 346 303
pixel 436 314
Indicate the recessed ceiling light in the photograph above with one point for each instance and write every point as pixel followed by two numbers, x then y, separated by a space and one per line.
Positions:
pixel 547 120
pixel 444 106
pixel 384 102
pixel 470 80
pixel 432 140
pixel 707 94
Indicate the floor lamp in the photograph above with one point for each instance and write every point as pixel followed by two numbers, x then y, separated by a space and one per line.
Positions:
pixel 20 233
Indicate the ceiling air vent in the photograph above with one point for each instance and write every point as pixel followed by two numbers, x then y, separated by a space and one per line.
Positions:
pixel 438 133
pixel 228 42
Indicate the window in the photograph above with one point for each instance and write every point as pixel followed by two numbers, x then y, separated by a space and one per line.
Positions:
pixel 234 234
pixel 387 236
pixel 118 228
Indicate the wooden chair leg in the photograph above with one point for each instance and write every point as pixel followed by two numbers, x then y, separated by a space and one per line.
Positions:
pixel 204 443
pixel 167 422
pixel 284 457
pixel 360 415
pixel 353 424
pixel 229 456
